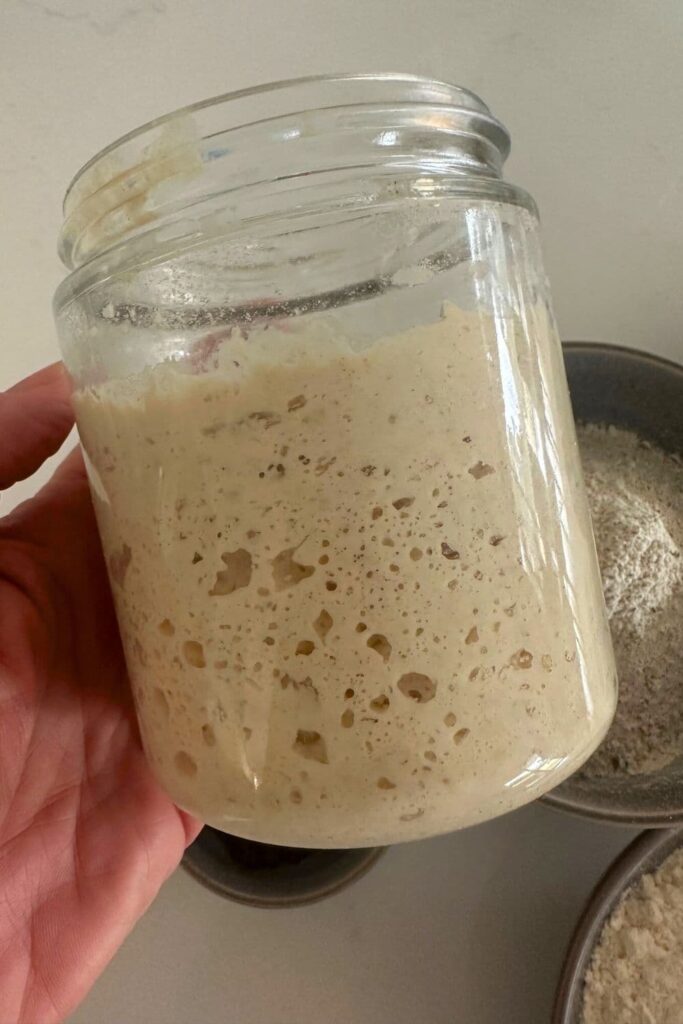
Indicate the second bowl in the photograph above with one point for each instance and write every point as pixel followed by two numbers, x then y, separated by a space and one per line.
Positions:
pixel 639 392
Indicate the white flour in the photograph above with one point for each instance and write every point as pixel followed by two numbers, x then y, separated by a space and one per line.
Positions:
pixel 635 976
pixel 636 497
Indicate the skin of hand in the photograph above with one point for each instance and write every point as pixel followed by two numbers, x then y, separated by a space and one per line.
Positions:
pixel 87 836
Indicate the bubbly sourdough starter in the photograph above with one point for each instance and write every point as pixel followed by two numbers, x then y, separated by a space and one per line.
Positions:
pixel 347 621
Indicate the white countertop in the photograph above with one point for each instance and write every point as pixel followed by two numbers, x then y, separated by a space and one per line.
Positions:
pixel 470 928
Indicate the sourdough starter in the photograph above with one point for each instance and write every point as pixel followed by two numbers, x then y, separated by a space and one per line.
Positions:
pixel 356 585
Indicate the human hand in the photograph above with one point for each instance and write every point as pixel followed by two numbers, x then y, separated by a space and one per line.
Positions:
pixel 86 834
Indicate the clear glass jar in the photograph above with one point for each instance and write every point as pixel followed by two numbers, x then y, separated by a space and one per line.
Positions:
pixel 324 413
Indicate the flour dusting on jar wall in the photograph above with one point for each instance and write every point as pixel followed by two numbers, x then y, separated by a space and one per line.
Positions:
pixel 325 419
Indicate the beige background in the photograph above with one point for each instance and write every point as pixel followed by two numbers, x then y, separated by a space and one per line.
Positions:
pixel 468 929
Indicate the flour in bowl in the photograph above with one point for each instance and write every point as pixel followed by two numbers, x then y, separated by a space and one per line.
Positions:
pixel 636 497
pixel 635 976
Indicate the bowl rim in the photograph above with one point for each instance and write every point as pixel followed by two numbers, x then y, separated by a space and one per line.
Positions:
pixel 357 862
pixel 607 348
pixel 643 855
pixel 642 818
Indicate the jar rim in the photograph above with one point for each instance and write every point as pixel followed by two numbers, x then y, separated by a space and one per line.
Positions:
pixel 111 190
pixel 423 90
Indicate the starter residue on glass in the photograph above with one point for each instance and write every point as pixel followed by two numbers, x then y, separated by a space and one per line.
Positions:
pixel 346 621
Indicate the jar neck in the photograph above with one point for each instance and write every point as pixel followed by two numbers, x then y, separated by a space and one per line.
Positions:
pixel 274 147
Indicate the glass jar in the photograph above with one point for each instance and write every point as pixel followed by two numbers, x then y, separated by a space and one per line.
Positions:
pixel 324 414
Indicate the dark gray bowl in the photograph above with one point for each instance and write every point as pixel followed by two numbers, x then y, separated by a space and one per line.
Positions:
pixel 639 392
pixel 273 876
pixel 644 855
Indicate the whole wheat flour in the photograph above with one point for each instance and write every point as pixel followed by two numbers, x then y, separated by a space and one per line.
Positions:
pixel 636 497
pixel 635 975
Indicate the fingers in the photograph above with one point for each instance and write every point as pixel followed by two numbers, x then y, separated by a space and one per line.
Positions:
pixel 68 473
pixel 35 418
pixel 68 484
pixel 62 504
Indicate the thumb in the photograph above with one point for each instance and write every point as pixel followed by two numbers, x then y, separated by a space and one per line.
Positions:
pixel 35 418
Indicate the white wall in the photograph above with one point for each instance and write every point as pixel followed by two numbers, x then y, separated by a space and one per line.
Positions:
pixel 591 92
